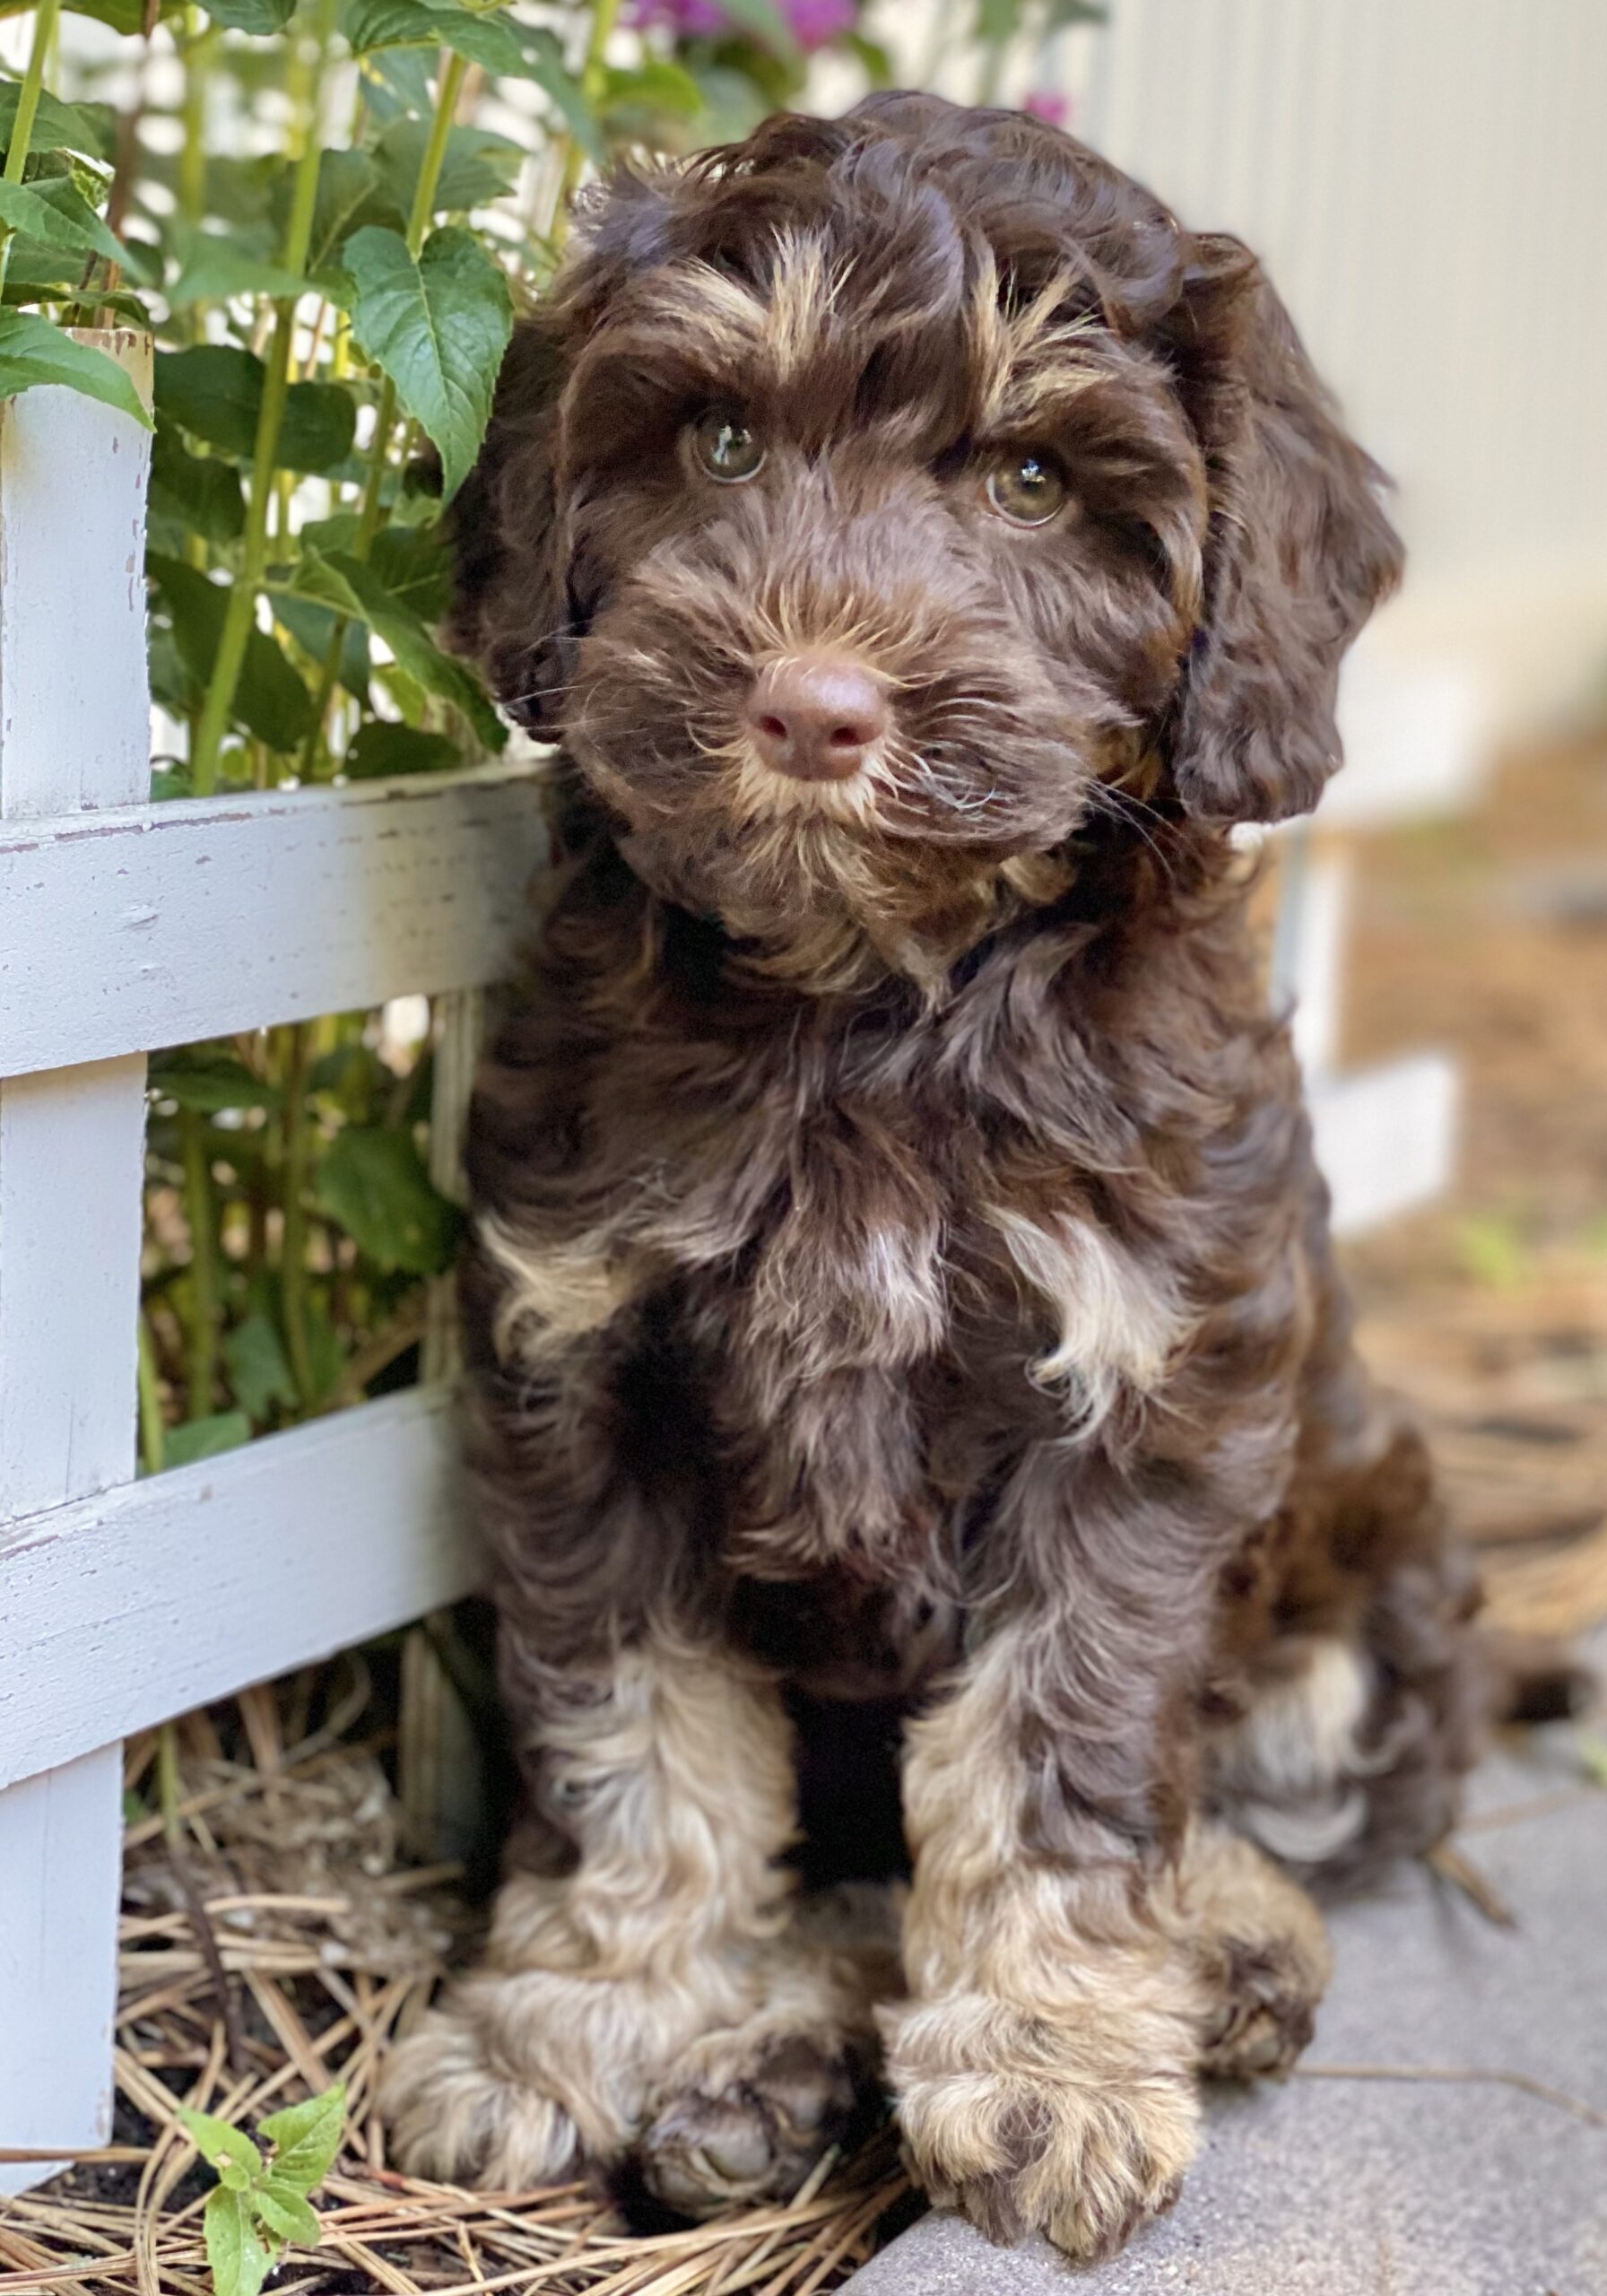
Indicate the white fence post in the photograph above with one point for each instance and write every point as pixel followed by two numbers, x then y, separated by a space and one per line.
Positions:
pixel 74 735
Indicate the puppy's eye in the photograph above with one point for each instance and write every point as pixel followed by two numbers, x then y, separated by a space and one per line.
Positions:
pixel 1027 488
pixel 727 445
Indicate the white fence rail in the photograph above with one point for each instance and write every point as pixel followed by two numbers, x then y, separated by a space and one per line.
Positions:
pixel 124 926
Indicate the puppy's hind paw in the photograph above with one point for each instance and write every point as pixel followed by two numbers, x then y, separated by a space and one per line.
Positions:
pixel 1265 2010
pixel 755 2139
pixel 454 2119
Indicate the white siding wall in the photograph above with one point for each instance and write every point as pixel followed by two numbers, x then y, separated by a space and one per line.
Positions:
pixel 1428 182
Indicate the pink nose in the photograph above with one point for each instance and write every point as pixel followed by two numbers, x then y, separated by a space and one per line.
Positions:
pixel 816 717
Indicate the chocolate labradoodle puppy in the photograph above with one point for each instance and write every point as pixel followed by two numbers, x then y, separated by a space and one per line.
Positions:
pixel 900 1287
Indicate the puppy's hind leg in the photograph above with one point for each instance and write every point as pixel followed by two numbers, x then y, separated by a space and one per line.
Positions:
pixel 1259 1947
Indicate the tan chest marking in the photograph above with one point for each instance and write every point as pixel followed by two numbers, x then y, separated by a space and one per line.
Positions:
pixel 1119 1326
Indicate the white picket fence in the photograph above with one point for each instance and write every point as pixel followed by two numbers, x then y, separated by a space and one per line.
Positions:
pixel 124 926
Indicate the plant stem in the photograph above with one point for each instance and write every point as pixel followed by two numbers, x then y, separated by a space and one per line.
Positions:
pixel 27 104
pixel 604 16
pixel 200 39
pixel 152 1436
pixel 449 87
pixel 453 71
pixel 241 617
pixel 293 1178
pixel 169 1786
pixel 201 1214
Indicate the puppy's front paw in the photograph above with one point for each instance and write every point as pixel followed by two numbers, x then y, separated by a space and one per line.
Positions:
pixel 757 2137
pixel 1027 2125
pixel 456 2116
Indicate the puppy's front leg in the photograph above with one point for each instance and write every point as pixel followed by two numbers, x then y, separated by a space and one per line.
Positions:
pixel 1044 2062
pixel 667 1763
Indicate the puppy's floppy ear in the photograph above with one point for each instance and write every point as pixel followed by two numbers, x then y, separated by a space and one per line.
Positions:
pixel 512 611
pixel 1299 553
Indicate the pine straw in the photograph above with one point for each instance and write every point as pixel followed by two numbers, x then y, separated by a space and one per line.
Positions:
pixel 328 1949
pixel 1510 1383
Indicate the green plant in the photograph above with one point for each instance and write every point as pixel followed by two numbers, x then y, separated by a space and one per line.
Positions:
pixel 260 2206
pixel 328 212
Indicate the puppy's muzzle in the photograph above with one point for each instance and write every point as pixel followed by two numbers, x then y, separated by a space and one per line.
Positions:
pixel 816 717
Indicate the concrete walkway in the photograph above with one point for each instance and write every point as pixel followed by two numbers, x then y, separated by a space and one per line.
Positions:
pixel 1371 2187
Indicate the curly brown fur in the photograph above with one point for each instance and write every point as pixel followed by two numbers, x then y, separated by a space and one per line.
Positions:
pixel 900 1271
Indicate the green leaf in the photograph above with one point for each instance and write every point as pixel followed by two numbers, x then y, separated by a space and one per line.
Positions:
pixel 415 566
pixel 215 272
pixel 307 2137
pixel 125 16
pixel 33 351
pixel 259 1371
pixel 261 17
pixel 234 2250
pixel 877 62
pixel 437 328
pixel 285 2212
pixel 396 85
pixel 214 391
pixel 406 691
pixel 207 1082
pixel 174 688
pixel 417 652
pixel 354 1077
pixel 270 700
pixel 493 38
pixel 654 87
pixel 480 166
pixel 203 1438
pixel 511 50
pixel 221 2143
pixel 384 747
pixel 59 127
pixel 34 270
pixel 351 193
pixel 313 626
pixel 53 211
pixel 766 24
pixel 371 1181
pixel 374 24
pixel 202 491
pixel 325 1349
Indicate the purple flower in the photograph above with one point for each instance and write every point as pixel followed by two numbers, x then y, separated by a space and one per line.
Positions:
pixel 681 16
pixel 1048 103
pixel 813 21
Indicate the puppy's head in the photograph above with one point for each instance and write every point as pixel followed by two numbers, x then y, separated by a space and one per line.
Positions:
pixel 872 504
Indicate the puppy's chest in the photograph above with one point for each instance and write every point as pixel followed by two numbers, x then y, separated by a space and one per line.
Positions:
pixel 904 1239
pixel 877 1234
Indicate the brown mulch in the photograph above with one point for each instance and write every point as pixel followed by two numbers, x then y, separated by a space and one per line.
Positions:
pixel 1488 934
